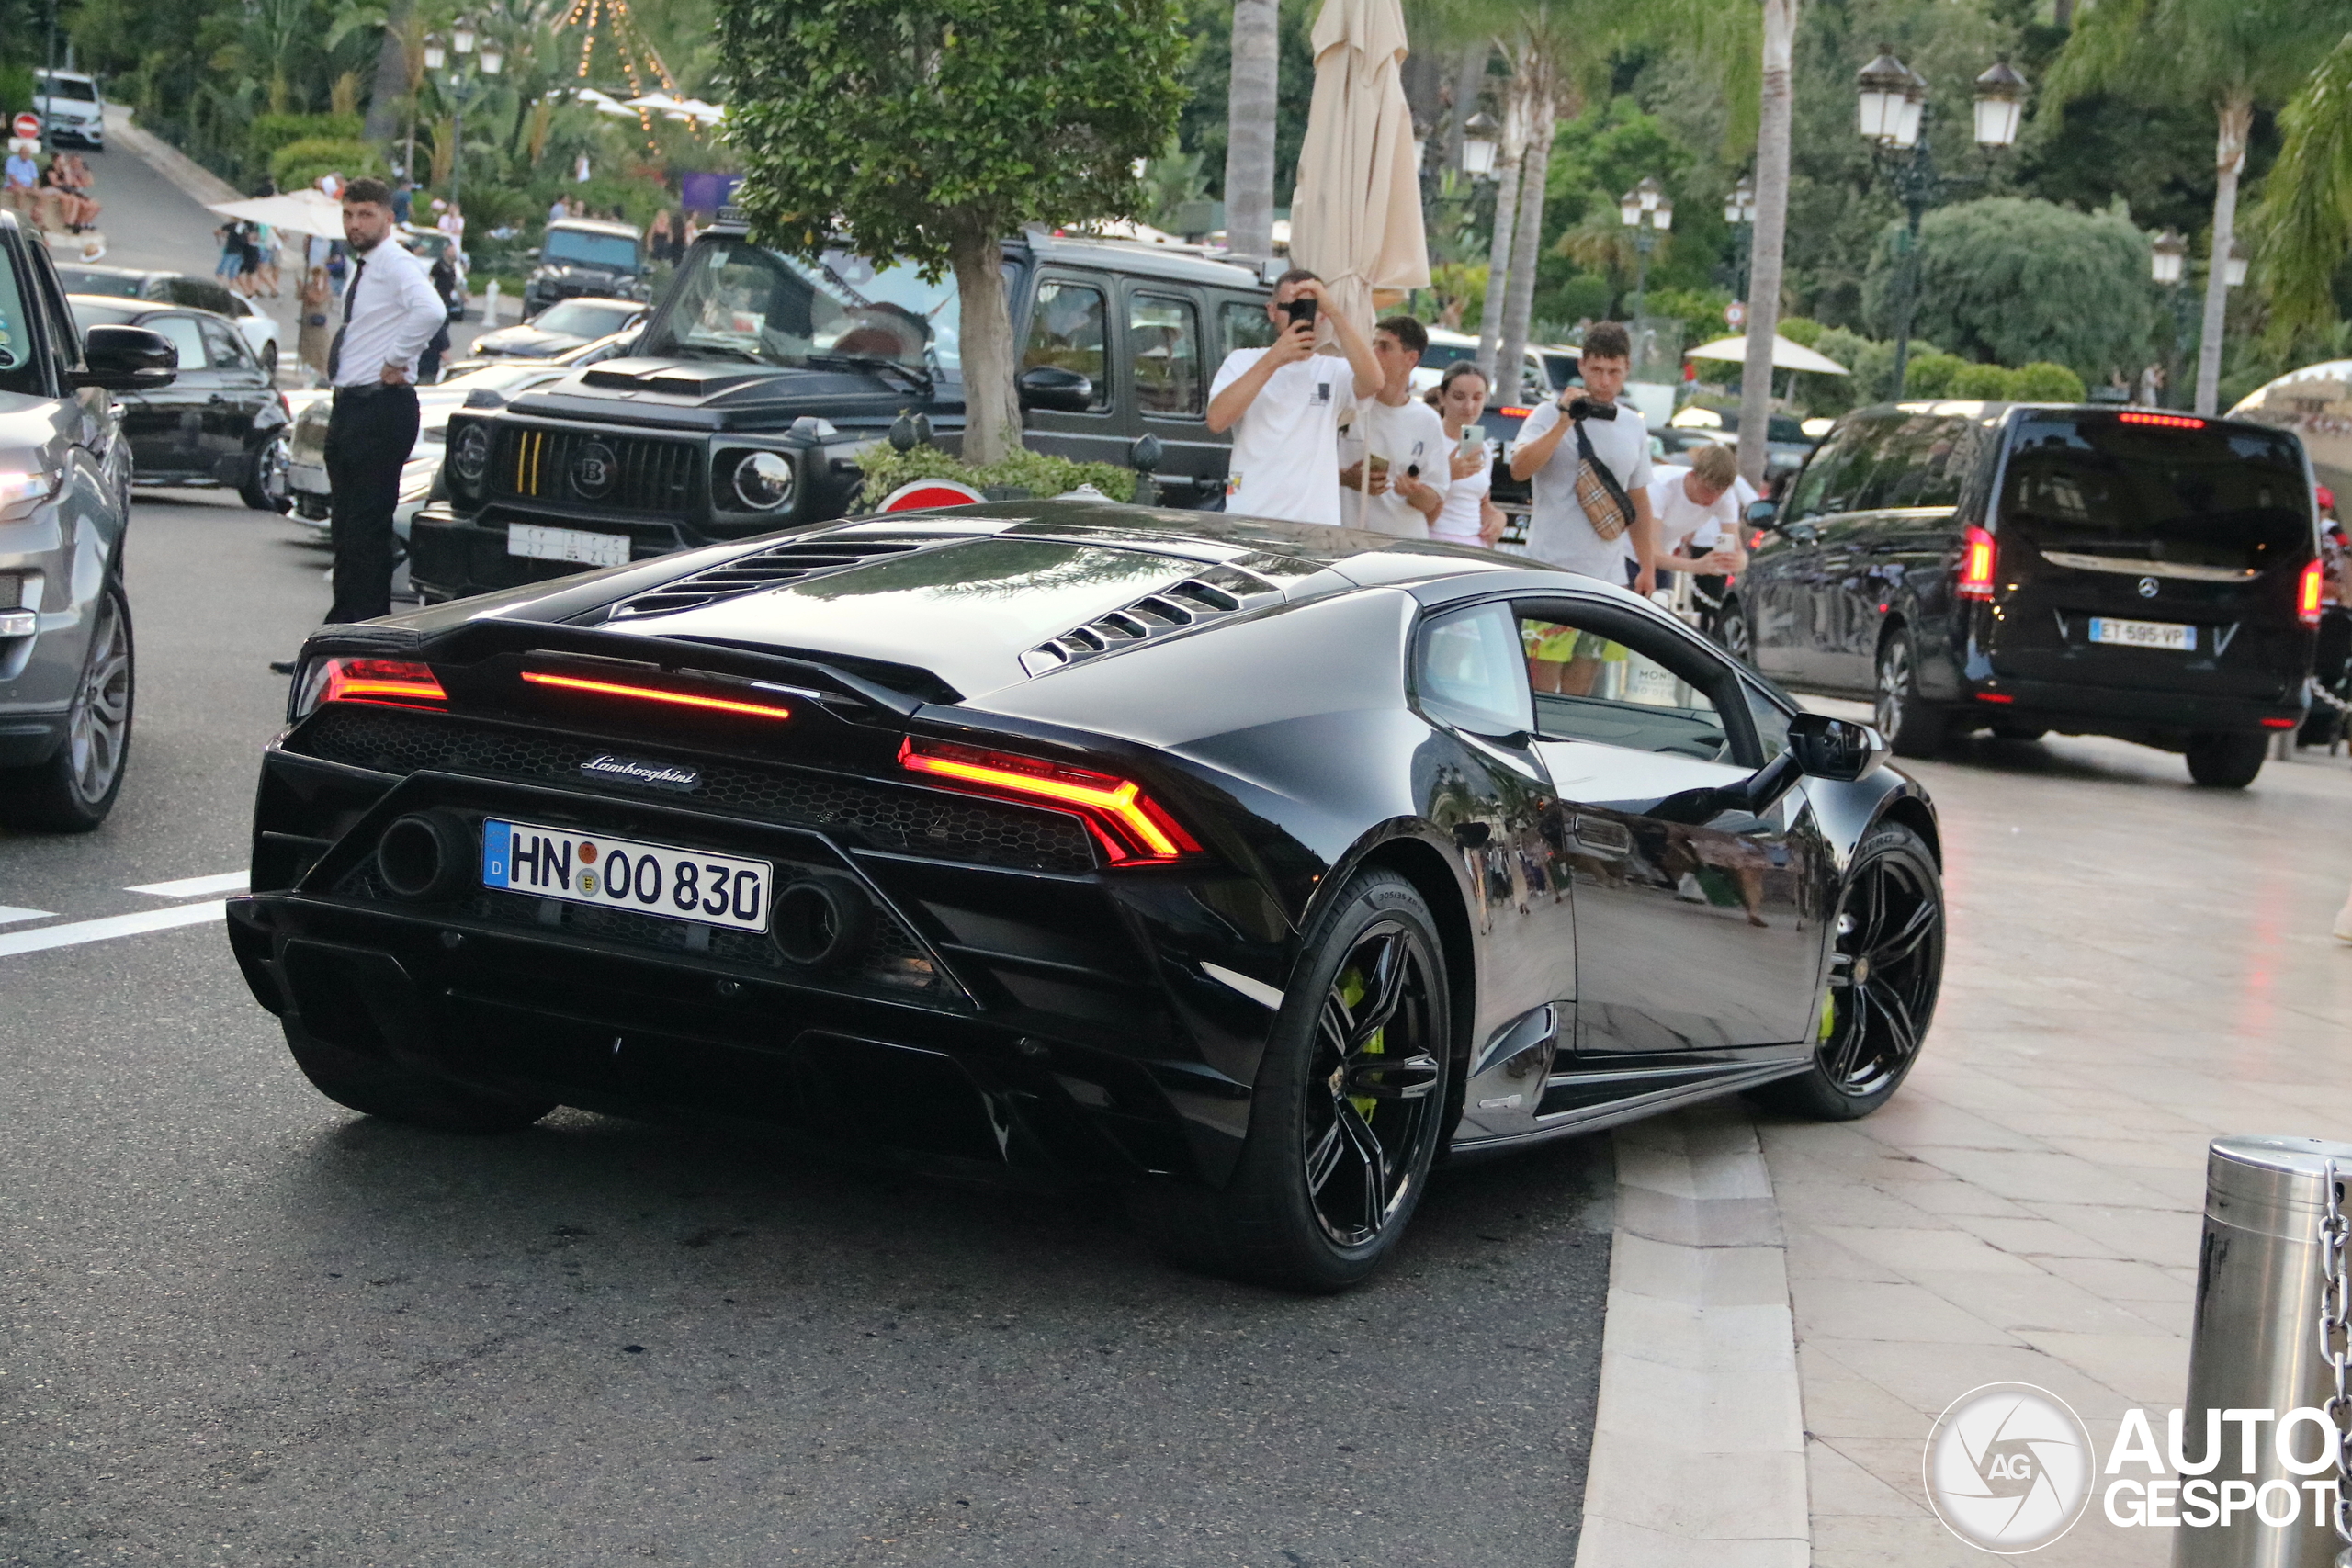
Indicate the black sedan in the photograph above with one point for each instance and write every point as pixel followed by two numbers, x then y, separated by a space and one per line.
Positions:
pixel 1254 866
pixel 560 327
pixel 219 422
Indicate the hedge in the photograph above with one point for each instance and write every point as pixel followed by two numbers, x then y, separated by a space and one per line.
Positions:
pixel 887 469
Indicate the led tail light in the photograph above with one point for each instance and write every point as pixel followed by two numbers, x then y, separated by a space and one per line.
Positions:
pixel 1129 824
pixel 2307 593
pixel 1977 566
pixel 654 694
pixel 399 683
pixel 2168 421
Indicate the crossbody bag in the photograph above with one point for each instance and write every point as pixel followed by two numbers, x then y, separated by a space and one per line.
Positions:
pixel 1603 500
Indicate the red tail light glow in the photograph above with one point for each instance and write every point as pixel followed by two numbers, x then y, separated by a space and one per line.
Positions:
pixel 397 682
pixel 1129 824
pixel 651 695
pixel 2279 723
pixel 2307 593
pixel 1514 412
pixel 1977 566
pixel 1994 697
pixel 2169 421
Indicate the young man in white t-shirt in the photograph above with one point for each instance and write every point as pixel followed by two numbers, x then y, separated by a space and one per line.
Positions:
pixel 1284 406
pixel 1400 438
pixel 1547 452
pixel 1698 514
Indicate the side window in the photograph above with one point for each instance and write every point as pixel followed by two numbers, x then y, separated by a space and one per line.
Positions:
pixel 1468 670
pixel 223 345
pixel 1772 723
pixel 1644 693
pixel 1940 466
pixel 182 331
pixel 1067 331
pixel 1876 462
pixel 1164 341
pixel 1811 497
pixel 1242 324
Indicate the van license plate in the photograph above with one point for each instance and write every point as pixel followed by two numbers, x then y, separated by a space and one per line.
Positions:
pixel 653 879
pixel 2144 634
pixel 566 544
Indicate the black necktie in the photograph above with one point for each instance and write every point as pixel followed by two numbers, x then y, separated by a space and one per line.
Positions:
pixel 350 292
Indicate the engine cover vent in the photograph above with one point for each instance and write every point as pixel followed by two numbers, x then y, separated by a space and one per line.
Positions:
pixel 1220 590
pixel 766 569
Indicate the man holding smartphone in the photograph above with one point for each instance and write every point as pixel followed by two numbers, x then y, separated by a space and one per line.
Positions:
pixel 1558 530
pixel 1283 405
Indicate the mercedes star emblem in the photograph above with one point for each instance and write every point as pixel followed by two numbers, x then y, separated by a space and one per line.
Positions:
pixel 2147 588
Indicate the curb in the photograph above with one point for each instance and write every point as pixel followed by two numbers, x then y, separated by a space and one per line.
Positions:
pixel 1697 1446
pixel 168 161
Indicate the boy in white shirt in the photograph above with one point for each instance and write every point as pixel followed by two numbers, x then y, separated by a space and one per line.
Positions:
pixel 1404 439
pixel 1284 406
pixel 1698 514
pixel 1546 451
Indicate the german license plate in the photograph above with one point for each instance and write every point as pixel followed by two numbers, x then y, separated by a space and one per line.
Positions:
pixel 2144 634
pixel 622 874
pixel 566 544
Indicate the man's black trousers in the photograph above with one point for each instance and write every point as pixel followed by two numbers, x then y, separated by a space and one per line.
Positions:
pixel 369 436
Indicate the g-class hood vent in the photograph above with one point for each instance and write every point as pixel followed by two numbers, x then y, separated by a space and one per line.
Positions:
pixel 768 569
pixel 1220 590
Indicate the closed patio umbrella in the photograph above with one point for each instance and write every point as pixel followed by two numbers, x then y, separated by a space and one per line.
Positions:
pixel 1356 215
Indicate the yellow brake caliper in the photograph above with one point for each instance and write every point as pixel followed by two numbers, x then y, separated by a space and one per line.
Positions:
pixel 1352 992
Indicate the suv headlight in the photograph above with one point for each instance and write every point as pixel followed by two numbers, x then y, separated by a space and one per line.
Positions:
pixel 763 481
pixel 469 454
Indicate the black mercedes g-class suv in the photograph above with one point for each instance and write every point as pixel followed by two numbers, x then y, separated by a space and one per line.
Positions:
pixel 760 380
pixel 585 258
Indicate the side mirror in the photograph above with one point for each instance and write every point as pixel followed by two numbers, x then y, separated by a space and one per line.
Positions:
pixel 127 359
pixel 533 253
pixel 1839 749
pixel 1051 387
pixel 1760 513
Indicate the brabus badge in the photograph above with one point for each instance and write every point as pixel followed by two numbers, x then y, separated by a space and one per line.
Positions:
pixel 654 775
pixel 593 469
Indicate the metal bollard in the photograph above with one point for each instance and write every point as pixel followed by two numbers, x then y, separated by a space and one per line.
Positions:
pixel 2256 1344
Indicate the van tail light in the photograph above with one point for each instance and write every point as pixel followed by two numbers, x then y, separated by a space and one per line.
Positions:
pixel 1132 828
pixel 1977 566
pixel 2307 593
pixel 398 683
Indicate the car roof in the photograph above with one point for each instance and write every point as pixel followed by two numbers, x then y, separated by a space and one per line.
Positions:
pixel 1151 261
pixel 599 300
pixel 597 226
pixel 1965 407
pixel 145 308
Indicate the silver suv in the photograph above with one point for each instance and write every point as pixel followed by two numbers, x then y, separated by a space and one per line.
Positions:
pixel 65 655
pixel 71 105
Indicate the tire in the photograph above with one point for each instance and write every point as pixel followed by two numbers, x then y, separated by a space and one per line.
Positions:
pixel 1327 1180
pixel 267 491
pixel 2226 760
pixel 1913 726
pixel 377 1088
pixel 1886 967
pixel 73 791
pixel 1739 638
pixel 2020 732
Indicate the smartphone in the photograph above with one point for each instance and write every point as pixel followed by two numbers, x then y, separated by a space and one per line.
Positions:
pixel 1473 441
pixel 1302 309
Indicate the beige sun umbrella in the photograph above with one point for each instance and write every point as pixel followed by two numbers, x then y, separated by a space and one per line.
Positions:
pixel 1356 216
pixel 1786 356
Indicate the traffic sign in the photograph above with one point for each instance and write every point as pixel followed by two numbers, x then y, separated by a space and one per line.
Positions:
pixel 922 495
pixel 1735 314
pixel 27 126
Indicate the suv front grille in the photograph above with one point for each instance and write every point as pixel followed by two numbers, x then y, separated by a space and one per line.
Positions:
pixel 885 816
pixel 624 473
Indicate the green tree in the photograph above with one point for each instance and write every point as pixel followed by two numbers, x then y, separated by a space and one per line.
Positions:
pixel 932 131
pixel 2010 280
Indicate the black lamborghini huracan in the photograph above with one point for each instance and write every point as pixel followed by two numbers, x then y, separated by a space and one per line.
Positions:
pixel 1255 866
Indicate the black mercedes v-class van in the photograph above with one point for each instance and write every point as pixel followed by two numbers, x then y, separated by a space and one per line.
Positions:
pixel 2091 570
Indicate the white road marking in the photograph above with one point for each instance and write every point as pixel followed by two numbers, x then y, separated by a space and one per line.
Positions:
pixel 10 914
pixel 112 926
pixel 194 886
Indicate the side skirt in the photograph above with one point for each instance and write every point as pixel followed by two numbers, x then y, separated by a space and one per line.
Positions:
pixel 1637 1101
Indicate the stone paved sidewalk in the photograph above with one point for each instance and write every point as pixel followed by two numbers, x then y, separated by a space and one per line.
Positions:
pixel 2134 966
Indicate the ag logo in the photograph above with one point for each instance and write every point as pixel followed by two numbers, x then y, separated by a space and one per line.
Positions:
pixel 593 469
pixel 2147 588
pixel 2008 1468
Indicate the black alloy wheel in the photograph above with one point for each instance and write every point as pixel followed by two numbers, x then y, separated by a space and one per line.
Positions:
pixel 270 488
pixel 73 791
pixel 2226 762
pixel 1350 1108
pixel 1737 637
pixel 1885 968
pixel 1913 727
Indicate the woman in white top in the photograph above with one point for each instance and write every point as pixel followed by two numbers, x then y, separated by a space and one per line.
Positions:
pixel 1469 515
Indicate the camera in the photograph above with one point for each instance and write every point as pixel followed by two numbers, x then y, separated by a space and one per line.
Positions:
pixel 1585 408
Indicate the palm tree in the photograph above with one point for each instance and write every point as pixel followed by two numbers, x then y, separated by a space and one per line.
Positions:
pixel 1536 80
pixel 1776 109
pixel 1250 131
pixel 2305 219
pixel 2235 55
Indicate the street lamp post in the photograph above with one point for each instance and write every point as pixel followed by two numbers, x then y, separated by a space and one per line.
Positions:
pixel 1739 211
pixel 2168 265
pixel 1648 211
pixel 463 86
pixel 1892 112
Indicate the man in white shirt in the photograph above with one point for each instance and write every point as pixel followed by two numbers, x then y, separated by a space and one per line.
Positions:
pixel 1283 405
pixel 1698 514
pixel 390 313
pixel 1400 438
pixel 1558 531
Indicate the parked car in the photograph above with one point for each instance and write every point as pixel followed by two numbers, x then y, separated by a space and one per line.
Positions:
pixel 2026 568
pixel 66 661
pixel 1554 366
pixel 219 421
pixel 759 380
pixel 584 258
pixel 560 328
pixel 71 108
pixel 1230 860
pixel 258 326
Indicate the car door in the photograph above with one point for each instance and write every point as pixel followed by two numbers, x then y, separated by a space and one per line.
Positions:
pixel 1776 587
pixel 239 391
pixel 1696 929
pixel 1070 330
pixel 167 429
pixel 1825 589
pixel 1171 382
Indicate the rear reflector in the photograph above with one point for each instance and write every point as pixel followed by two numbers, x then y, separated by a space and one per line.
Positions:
pixel 397 682
pixel 1994 697
pixel 1977 566
pixel 1129 824
pixel 2307 593
pixel 2169 421
pixel 2280 723
pixel 650 694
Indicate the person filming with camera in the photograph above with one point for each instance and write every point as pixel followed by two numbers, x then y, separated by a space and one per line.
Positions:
pixel 1283 405
pixel 1589 459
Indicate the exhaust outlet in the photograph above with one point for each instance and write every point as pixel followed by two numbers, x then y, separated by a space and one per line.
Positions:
pixel 822 921
pixel 425 854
